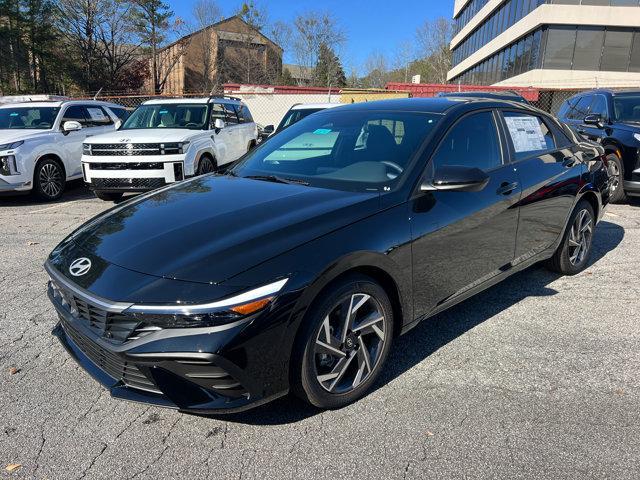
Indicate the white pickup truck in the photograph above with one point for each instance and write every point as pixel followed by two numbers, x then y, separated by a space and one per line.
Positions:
pixel 165 141
pixel 41 142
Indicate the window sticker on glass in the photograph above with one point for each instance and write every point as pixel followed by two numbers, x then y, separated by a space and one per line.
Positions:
pixel 97 114
pixel 322 131
pixel 526 134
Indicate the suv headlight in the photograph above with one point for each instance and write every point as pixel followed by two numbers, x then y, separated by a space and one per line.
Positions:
pixel 221 312
pixel 174 148
pixel 11 146
pixel 8 165
pixel 86 149
pixel 636 136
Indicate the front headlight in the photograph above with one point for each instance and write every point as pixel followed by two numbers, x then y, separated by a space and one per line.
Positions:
pixel 86 149
pixel 174 148
pixel 636 136
pixel 208 314
pixel 11 146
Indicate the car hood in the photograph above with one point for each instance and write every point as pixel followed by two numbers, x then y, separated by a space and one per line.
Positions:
pixel 212 228
pixel 10 136
pixel 144 135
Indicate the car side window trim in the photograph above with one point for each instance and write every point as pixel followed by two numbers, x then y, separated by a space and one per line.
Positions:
pixel 512 150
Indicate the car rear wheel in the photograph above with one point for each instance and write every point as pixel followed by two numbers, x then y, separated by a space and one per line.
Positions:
pixel 616 174
pixel 572 256
pixel 344 343
pixel 49 180
pixel 109 196
pixel 205 166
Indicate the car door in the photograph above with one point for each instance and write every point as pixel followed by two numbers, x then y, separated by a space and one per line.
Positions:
pixel 234 128
pixel 549 170
pixel 72 141
pixel 222 138
pixel 98 120
pixel 463 238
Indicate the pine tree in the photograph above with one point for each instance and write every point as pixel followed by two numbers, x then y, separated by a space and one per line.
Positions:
pixel 328 71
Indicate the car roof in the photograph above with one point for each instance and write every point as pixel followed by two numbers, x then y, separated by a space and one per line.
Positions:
pixel 58 103
pixel 307 106
pixel 202 100
pixel 439 105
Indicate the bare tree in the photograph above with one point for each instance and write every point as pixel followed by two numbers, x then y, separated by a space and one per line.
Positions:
pixel 404 55
pixel 311 30
pixel 206 13
pixel 376 69
pixel 433 39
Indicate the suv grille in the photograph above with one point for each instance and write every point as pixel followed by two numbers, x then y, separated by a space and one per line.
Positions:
pixel 127 166
pixel 135 149
pixel 111 363
pixel 128 183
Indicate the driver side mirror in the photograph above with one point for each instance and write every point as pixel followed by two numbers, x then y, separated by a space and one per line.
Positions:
pixel 71 126
pixel 456 177
pixel 595 120
pixel 219 124
pixel 118 124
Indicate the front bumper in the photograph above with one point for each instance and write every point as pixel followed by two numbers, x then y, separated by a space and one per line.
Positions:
pixel 118 175
pixel 10 187
pixel 200 370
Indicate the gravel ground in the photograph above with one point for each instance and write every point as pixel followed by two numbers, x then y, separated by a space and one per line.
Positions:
pixel 537 377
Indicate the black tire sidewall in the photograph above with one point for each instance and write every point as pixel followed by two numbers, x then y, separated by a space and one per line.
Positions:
pixel 108 196
pixel 618 196
pixel 305 383
pixel 202 161
pixel 40 193
pixel 565 264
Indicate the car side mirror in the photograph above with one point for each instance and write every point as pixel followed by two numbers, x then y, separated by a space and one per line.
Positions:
pixel 219 124
pixel 268 130
pixel 594 119
pixel 71 126
pixel 456 177
pixel 118 124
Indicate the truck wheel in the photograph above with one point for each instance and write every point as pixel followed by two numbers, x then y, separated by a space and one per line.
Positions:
pixel 616 174
pixel 48 180
pixel 205 165
pixel 109 196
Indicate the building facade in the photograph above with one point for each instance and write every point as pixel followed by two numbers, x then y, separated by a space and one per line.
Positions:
pixel 227 51
pixel 546 43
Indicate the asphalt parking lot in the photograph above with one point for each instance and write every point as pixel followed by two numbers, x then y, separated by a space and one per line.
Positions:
pixel 537 377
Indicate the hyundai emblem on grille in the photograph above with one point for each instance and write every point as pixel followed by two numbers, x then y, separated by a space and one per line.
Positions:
pixel 80 266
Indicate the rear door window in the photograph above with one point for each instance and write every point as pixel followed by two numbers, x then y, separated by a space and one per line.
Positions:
pixel 244 115
pixel 230 114
pixel 529 134
pixel 97 116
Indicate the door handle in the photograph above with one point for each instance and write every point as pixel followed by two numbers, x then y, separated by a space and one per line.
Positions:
pixel 569 162
pixel 507 188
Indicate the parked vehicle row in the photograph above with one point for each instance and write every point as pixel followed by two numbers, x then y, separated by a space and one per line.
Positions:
pixel 297 269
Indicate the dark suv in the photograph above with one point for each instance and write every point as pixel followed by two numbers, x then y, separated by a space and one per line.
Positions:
pixel 611 118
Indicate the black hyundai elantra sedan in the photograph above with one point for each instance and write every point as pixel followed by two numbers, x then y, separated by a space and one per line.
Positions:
pixel 297 269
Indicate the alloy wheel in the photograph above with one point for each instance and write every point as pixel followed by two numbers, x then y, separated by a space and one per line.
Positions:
pixel 206 166
pixel 349 343
pixel 580 237
pixel 614 174
pixel 50 179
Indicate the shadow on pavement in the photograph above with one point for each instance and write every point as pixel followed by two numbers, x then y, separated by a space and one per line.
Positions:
pixel 436 332
pixel 75 190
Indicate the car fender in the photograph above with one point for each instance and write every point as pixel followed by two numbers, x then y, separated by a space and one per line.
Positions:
pixel 46 147
pixel 200 146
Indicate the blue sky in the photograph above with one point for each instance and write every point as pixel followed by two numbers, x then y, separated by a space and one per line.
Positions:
pixel 370 26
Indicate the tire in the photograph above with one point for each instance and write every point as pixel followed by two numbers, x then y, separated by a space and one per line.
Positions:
pixel 251 146
pixel 616 173
pixel 49 180
pixel 572 256
pixel 319 375
pixel 206 165
pixel 108 196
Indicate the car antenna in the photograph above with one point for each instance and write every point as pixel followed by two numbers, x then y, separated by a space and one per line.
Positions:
pixel 95 97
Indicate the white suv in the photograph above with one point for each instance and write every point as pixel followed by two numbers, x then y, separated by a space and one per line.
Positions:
pixel 165 141
pixel 41 142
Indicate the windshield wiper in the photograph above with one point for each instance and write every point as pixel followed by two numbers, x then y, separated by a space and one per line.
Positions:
pixel 276 179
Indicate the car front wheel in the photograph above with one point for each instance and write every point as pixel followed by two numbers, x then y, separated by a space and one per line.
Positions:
pixel 205 166
pixel 49 180
pixel 572 256
pixel 616 175
pixel 344 343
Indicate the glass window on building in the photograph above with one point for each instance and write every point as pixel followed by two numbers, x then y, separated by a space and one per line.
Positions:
pixel 559 48
pixel 624 3
pixel 616 50
pixel 595 2
pixel 588 48
pixel 634 65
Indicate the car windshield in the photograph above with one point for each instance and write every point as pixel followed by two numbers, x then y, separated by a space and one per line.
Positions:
pixel 294 116
pixel 20 118
pixel 626 108
pixel 189 116
pixel 348 150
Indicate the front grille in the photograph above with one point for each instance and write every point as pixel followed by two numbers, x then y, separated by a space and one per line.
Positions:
pixel 111 363
pixel 128 183
pixel 127 166
pixel 134 149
